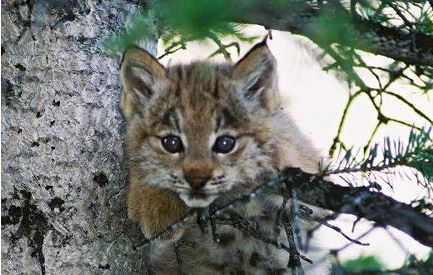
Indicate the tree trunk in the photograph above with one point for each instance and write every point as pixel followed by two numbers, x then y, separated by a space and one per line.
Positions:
pixel 63 175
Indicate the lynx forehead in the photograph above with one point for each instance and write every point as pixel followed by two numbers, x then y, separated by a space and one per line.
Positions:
pixel 201 129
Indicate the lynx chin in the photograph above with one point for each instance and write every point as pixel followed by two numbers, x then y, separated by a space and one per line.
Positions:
pixel 202 134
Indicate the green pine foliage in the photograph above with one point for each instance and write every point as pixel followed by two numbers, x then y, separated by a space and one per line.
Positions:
pixel 370 264
pixel 140 27
pixel 179 22
pixel 363 263
pixel 419 154
pixel 417 266
pixel 335 25
pixel 416 153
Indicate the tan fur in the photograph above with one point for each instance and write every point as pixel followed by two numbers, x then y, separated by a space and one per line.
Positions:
pixel 165 208
pixel 198 103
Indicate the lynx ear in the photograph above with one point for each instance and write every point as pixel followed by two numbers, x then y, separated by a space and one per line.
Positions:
pixel 141 74
pixel 256 74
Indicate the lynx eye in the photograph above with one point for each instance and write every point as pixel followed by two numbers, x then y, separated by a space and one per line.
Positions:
pixel 172 144
pixel 224 144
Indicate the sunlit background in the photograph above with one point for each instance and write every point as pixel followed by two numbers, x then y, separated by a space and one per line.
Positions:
pixel 316 99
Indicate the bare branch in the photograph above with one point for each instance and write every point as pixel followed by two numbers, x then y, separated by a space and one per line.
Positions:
pixel 222 48
pixel 294 262
pixel 174 47
pixel 342 120
pixel 337 229
pixel 416 110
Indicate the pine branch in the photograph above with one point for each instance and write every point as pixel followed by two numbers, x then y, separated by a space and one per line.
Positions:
pixel 360 201
pixel 417 153
pixel 346 63
pixel 316 191
pixel 412 43
pixel 298 17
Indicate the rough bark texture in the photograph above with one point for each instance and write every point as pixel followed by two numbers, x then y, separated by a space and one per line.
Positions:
pixel 63 174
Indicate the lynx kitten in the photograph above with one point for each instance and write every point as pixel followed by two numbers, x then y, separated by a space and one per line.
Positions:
pixel 206 133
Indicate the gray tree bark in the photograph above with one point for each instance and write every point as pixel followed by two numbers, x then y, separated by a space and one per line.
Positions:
pixel 63 174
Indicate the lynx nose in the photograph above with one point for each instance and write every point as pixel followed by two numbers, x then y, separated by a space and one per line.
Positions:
pixel 196 181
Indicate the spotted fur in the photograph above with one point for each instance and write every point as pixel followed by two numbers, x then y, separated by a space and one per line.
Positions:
pixel 199 102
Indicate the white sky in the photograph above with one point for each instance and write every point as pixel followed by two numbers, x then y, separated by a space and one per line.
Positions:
pixel 316 99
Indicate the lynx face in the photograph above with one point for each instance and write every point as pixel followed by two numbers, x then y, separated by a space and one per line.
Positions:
pixel 201 130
